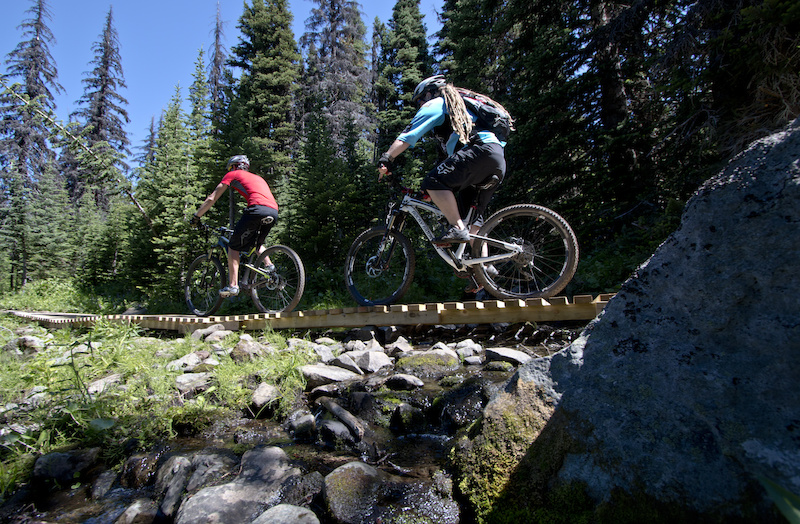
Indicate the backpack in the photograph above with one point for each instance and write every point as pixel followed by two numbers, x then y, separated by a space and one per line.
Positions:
pixel 490 117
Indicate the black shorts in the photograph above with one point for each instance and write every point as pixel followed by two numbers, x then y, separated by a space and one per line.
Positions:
pixel 253 227
pixel 471 166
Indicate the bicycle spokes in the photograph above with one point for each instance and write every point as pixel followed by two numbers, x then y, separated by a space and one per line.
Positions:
pixel 277 280
pixel 379 266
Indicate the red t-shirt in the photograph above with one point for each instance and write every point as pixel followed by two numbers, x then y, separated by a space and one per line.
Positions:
pixel 252 187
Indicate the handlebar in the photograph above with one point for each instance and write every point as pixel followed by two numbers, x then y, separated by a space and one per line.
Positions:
pixel 222 230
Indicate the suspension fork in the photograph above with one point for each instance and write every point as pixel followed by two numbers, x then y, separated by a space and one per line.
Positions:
pixel 395 221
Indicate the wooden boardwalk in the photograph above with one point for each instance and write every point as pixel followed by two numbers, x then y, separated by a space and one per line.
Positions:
pixel 581 307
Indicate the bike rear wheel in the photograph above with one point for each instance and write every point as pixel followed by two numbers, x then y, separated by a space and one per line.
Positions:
pixel 204 278
pixel 549 256
pixel 278 289
pixel 379 267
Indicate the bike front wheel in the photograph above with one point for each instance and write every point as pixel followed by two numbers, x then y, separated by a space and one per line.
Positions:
pixel 548 256
pixel 379 267
pixel 204 278
pixel 277 280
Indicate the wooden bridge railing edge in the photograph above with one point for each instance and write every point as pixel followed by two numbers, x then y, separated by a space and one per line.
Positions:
pixel 582 307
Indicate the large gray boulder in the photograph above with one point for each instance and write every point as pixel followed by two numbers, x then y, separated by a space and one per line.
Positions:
pixel 684 395
pixel 257 486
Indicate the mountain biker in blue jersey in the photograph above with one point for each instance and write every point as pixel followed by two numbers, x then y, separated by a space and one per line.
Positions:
pixel 475 156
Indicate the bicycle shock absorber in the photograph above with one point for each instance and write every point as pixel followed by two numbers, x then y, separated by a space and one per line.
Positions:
pixel 395 221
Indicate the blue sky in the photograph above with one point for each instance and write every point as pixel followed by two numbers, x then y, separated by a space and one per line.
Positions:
pixel 159 44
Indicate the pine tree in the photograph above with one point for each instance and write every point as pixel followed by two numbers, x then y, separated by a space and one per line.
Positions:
pixel 53 249
pixel 168 188
pixel 103 114
pixel 260 119
pixel 339 79
pixel 406 61
pixel 201 131
pixel 472 45
pixel 324 183
pixel 25 151
pixel 216 71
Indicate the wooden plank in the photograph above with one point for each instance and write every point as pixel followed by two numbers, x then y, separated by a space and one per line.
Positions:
pixel 583 307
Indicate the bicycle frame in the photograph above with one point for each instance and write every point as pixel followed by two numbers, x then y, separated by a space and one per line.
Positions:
pixel 246 259
pixel 454 258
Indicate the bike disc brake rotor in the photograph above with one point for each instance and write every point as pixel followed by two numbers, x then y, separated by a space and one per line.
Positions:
pixel 524 259
pixel 372 268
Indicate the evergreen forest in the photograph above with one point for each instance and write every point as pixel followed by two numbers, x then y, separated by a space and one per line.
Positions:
pixel 622 110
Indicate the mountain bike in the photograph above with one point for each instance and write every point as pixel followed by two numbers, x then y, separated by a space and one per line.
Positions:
pixel 521 251
pixel 275 278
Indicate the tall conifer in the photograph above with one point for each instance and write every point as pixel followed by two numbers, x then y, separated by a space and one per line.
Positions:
pixel 406 61
pixel 261 118
pixel 168 189
pixel 102 113
pixel 25 151
pixel 340 83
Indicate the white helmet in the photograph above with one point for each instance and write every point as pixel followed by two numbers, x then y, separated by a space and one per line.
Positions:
pixel 239 162
pixel 429 85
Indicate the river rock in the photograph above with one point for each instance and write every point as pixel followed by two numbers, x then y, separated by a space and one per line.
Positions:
pixel 287 514
pixel 321 374
pixel 324 352
pixel 357 493
pixel 264 395
pixel 64 467
pixel 370 361
pixel 399 346
pixel 511 356
pixel 208 467
pixel 435 362
pixel 248 349
pixel 403 382
pixel 334 433
pixel 302 425
pixel 407 419
pixel 256 487
pixel 140 512
pixel 189 384
pixel 218 335
pixel 102 384
pixel 171 479
pixel 682 397
pixel 27 344
pixel 345 361
pixel 201 334
pixel 186 363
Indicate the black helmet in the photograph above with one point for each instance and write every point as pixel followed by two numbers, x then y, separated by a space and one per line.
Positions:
pixel 429 85
pixel 240 161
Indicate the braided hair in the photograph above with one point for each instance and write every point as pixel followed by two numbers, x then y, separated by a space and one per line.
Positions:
pixel 459 117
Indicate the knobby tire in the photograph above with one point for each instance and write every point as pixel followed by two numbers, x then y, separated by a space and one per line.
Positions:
pixel 379 272
pixel 281 290
pixel 548 261
pixel 204 278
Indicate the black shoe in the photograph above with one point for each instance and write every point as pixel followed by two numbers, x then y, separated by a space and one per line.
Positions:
pixel 454 235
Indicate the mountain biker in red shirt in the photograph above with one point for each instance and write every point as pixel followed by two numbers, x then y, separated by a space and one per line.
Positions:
pixel 256 221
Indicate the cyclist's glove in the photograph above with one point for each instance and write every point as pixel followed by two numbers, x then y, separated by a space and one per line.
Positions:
pixel 195 221
pixel 385 161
